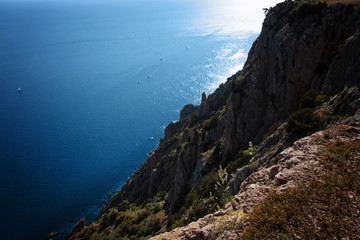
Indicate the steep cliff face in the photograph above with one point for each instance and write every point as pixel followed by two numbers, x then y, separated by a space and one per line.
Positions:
pixel 302 47
pixel 176 162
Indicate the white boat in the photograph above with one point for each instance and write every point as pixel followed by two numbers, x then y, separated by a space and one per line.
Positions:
pixel 19 89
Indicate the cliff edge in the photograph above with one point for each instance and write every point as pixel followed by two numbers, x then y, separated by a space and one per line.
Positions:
pixel 274 132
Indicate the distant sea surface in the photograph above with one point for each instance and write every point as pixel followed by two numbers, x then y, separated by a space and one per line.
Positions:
pixel 96 97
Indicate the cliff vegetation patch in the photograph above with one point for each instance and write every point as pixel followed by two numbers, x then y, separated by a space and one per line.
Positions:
pixel 325 209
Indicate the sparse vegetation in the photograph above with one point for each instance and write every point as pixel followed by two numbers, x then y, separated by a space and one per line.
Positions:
pixel 323 209
pixel 222 193
pixel 312 99
pixel 131 222
pixel 242 158
pixel 213 192
pixel 238 83
pixel 303 122
pixel 210 123
pixel 221 112
pixel 211 195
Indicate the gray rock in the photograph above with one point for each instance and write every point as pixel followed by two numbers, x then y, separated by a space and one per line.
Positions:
pixel 240 176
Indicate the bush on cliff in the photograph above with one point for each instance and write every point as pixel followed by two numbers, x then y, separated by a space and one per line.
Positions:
pixel 210 123
pixel 222 193
pixel 242 158
pixel 303 122
pixel 312 99
pixel 238 83
pixel 211 195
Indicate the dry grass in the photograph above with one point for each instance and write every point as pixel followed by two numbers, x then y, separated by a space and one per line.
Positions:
pixel 325 209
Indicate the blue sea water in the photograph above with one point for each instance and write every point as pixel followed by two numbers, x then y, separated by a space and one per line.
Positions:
pixel 96 97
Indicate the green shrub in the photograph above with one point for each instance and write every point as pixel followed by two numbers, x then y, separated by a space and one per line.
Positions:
pixel 108 218
pixel 140 230
pixel 175 221
pixel 201 208
pixel 312 99
pixel 242 158
pixel 156 208
pixel 124 227
pixel 87 233
pixel 95 236
pixel 210 123
pixel 191 198
pixel 122 217
pixel 303 122
pixel 238 83
pixel 221 112
pixel 154 226
pixel 142 215
pixel 222 193
pixel 250 152
pixel 207 184
pixel 107 231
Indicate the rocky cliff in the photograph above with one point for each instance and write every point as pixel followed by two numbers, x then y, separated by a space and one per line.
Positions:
pixel 302 75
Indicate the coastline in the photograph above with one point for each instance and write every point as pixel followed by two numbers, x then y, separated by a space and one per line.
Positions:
pixel 171 186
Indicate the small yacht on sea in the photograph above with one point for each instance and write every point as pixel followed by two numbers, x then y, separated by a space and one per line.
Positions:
pixel 19 89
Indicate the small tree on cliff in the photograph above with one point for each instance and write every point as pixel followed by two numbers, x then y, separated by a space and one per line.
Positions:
pixel 222 191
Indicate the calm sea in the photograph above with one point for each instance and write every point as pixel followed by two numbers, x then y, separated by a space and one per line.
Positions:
pixel 96 96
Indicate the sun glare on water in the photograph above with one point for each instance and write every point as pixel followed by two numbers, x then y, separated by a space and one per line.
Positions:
pixel 238 22
pixel 232 16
